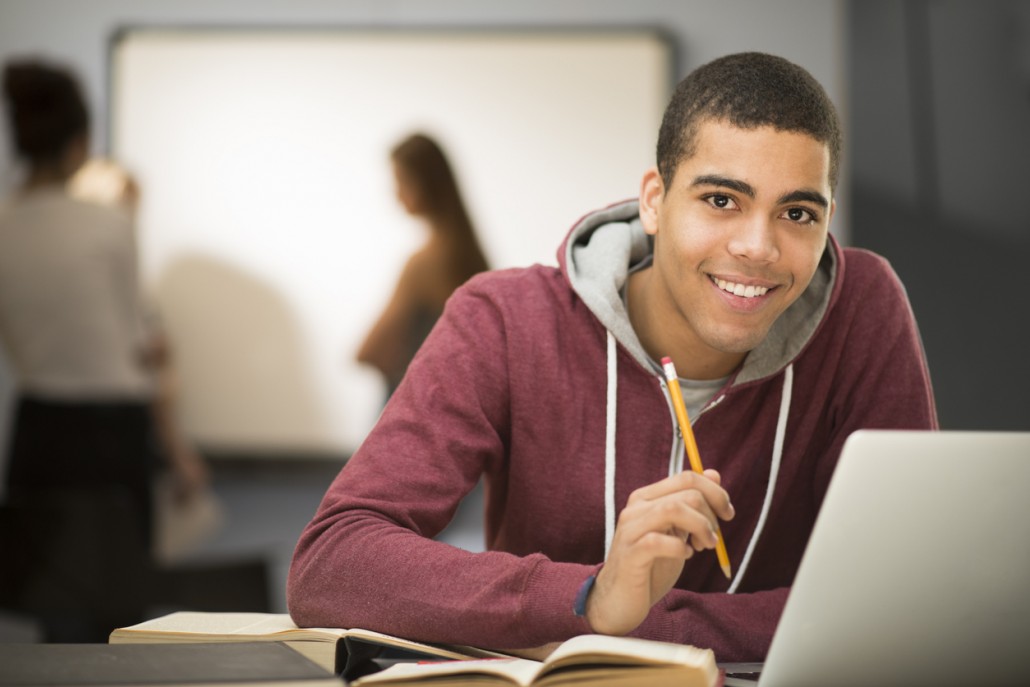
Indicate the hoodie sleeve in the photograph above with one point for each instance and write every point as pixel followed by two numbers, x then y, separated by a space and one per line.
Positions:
pixel 367 559
pixel 737 627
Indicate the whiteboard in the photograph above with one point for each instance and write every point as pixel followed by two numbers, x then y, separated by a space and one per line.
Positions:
pixel 270 236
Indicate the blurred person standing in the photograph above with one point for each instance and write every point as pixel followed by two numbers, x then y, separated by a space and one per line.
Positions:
pixel 426 189
pixel 80 457
pixel 105 182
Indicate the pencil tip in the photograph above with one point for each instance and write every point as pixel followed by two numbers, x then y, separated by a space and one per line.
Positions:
pixel 727 572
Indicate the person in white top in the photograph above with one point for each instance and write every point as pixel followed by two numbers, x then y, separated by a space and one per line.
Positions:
pixel 72 328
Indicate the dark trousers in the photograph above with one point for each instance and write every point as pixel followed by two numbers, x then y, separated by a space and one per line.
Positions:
pixel 76 526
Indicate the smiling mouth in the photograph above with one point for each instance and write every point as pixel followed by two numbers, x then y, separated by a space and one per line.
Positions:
pixel 745 291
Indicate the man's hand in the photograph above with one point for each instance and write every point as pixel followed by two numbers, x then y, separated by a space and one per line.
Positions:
pixel 662 526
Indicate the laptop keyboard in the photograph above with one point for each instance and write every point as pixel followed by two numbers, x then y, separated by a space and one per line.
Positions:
pixel 741 674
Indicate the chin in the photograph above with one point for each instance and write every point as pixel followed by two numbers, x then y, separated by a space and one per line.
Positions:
pixel 737 342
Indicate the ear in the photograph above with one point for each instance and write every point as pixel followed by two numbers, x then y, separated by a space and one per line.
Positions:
pixel 652 192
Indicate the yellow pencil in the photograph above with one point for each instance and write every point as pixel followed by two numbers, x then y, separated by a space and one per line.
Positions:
pixel 692 452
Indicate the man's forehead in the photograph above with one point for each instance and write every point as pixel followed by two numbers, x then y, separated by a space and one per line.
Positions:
pixel 720 128
pixel 722 149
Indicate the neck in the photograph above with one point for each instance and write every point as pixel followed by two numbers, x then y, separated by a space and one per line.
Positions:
pixel 662 332
pixel 58 170
pixel 49 174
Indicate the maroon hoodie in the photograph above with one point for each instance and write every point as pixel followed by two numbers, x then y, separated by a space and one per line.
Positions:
pixel 534 378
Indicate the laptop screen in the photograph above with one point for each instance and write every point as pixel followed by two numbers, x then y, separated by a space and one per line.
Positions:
pixel 918 568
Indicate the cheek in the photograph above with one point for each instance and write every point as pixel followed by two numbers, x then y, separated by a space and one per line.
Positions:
pixel 808 252
pixel 677 252
pixel 690 239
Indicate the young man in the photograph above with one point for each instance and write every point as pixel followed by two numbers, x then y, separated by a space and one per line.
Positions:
pixel 545 380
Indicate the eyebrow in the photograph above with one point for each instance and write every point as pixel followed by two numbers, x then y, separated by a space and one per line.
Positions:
pixel 748 190
pixel 807 196
pixel 726 182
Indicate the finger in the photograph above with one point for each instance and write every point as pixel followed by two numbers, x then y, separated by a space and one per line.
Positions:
pixel 699 543
pixel 714 494
pixel 709 541
pixel 670 485
pixel 685 513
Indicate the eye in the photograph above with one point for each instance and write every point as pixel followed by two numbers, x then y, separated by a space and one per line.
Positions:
pixel 800 216
pixel 722 202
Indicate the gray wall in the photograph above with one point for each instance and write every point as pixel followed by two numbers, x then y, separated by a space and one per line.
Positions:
pixel 940 160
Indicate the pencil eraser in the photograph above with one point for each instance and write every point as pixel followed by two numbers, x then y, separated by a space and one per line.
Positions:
pixel 668 368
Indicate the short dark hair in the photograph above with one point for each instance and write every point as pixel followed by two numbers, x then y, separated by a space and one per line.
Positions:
pixel 47 108
pixel 747 90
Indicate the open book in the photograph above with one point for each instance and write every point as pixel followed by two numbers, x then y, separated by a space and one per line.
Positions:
pixel 335 649
pixel 584 660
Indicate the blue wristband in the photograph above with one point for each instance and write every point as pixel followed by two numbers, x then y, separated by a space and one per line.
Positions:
pixel 580 606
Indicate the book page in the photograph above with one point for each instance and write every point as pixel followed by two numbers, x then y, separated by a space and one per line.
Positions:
pixel 455 651
pixel 627 651
pixel 233 627
pixel 322 653
pixel 519 671
pixel 212 625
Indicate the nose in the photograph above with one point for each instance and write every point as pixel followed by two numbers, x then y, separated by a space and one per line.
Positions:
pixel 754 240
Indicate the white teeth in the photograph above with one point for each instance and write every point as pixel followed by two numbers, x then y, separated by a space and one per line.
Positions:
pixel 740 290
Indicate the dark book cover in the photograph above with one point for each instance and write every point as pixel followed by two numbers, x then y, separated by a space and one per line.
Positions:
pixel 257 663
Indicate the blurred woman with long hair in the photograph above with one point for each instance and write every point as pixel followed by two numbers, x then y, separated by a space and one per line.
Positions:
pixel 426 189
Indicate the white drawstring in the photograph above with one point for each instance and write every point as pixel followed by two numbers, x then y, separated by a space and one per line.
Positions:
pixel 609 460
pixel 774 469
pixel 609 447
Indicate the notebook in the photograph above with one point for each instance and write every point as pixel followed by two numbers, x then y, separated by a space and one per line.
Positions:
pixel 918 568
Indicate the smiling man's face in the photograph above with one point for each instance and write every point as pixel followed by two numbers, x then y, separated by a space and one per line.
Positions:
pixel 738 236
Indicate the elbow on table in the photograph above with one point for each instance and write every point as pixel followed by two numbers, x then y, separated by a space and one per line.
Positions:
pixel 308 590
pixel 299 598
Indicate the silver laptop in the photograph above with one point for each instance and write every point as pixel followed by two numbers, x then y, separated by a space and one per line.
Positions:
pixel 918 569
